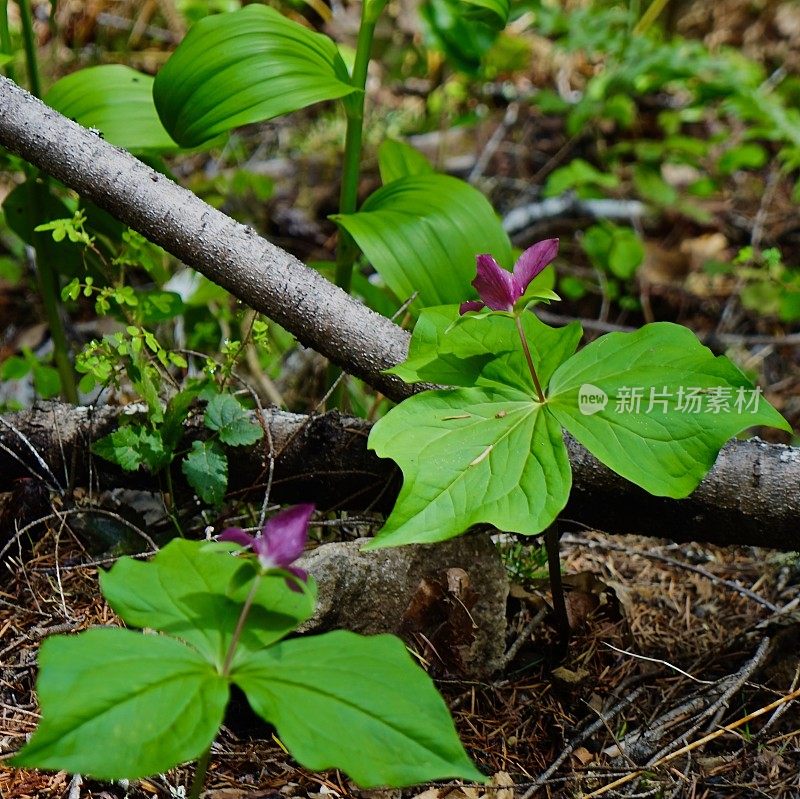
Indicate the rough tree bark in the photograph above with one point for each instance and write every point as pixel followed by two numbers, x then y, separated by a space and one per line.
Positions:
pixel 748 498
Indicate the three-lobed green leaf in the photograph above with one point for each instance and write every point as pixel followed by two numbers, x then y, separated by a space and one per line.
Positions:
pixel 118 704
pixel 655 405
pixel 245 66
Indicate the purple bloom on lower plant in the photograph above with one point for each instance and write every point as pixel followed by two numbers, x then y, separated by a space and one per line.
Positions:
pixel 498 288
pixel 281 541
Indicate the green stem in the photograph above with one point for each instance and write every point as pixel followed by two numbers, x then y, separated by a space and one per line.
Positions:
pixel 29 39
pixel 202 762
pixel 237 633
pixel 5 39
pixel 47 280
pixel 347 250
pixel 528 358
pixel 200 774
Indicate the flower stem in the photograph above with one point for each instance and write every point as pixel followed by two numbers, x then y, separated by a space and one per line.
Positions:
pixel 200 774
pixel 237 633
pixel 527 351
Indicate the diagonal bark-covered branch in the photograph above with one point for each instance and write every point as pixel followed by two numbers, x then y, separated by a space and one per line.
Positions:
pixel 232 255
pixel 750 497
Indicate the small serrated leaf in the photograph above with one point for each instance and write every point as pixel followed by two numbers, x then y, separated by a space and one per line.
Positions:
pixel 206 470
pixel 230 419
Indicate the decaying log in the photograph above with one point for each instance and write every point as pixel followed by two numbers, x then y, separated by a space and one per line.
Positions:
pixel 750 497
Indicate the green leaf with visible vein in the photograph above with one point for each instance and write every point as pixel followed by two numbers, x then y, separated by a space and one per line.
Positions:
pixel 245 66
pixel 195 590
pixel 117 704
pixel 397 160
pixel 471 455
pixel 206 470
pixel 230 419
pixel 117 101
pixel 656 406
pixel 421 233
pixel 357 703
pixel 478 349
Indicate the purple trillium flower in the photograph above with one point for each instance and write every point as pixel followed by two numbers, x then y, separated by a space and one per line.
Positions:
pixel 281 541
pixel 498 288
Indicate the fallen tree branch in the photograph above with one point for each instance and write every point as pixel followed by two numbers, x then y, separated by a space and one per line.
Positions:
pixel 748 498
pixel 232 255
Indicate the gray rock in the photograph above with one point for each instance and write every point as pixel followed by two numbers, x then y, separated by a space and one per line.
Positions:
pixel 446 600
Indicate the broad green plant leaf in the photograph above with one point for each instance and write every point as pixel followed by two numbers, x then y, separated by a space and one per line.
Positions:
pixel 242 67
pixel 343 700
pixel 230 419
pixel 195 591
pixel 117 101
pixel 206 471
pixel 483 349
pixel 421 233
pixel 397 160
pixel 656 406
pixel 117 704
pixel 471 455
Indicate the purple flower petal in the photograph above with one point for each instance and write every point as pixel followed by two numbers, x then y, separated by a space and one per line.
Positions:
pixel 470 305
pixel 533 261
pixel 496 286
pixel 237 535
pixel 285 536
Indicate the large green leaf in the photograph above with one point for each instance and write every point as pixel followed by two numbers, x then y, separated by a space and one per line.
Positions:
pixel 483 349
pixel 117 101
pixel 656 406
pixel 342 700
pixel 195 591
pixel 422 233
pixel 471 455
pixel 119 705
pixel 397 160
pixel 241 67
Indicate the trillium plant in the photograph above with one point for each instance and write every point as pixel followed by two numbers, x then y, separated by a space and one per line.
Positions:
pixel 117 703
pixel 654 405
